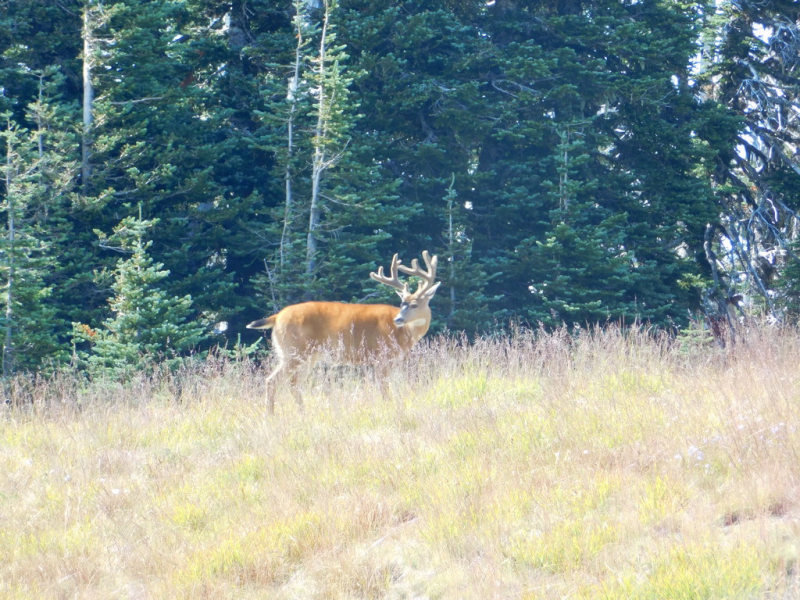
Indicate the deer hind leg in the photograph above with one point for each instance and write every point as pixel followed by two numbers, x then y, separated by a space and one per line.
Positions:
pixel 287 372
pixel 270 391
pixel 299 373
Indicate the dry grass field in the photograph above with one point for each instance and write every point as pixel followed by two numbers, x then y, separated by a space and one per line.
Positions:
pixel 537 466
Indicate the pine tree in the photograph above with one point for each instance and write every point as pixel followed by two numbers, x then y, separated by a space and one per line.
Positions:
pixel 590 176
pixel 561 121
pixel 39 173
pixel 463 279
pixel 167 135
pixel 424 117
pixel 28 337
pixel 148 324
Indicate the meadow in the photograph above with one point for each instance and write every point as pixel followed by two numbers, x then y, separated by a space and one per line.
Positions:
pixel 604 465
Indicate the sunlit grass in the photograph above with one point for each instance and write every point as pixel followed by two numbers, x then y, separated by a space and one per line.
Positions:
pixel 539 466
pixel 693 571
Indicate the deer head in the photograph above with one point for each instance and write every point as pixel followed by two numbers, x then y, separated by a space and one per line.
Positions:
pixel 414 310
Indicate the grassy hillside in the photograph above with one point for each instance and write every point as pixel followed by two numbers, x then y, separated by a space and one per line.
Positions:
pixel 532 467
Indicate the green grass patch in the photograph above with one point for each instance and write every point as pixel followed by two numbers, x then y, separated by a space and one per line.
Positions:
pixel 695 571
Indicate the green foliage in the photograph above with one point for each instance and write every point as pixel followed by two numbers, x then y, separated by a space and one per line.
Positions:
pixel 563 159
pixel 38 174
pixel 335 200
pixel 147 324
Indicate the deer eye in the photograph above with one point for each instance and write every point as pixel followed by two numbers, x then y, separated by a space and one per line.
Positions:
pixel 414 305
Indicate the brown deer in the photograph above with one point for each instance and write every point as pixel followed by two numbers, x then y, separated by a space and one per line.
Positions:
pixel 372 334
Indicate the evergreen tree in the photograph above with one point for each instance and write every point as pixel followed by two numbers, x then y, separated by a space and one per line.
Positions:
pixel 166 136
pixel 609 204
pixel 462 277
pixel 39 176
pixel 424 118
pixel 148 324
pixel 562 156
pixel 28 333
pixel 562 121
pixel 34 37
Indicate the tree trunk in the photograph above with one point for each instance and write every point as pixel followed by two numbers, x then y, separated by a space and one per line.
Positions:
pixel 318 165
pixel 292 97
pixel 39 122
pixel 88 99
pixel 451 247
pixel 8 351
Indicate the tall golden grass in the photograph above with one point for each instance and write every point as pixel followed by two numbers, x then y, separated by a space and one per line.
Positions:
pixel 605 465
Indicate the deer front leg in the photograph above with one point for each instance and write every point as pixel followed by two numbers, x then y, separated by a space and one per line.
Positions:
pixel 382 370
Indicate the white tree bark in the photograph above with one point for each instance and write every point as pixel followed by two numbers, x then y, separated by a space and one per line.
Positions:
pixel 8 350
pixel 88 98
pixel 319 161
pixel 292 97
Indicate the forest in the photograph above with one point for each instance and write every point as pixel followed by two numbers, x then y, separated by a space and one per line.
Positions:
pixel 173 169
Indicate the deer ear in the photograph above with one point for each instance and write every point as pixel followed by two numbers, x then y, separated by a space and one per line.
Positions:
pixel 429 294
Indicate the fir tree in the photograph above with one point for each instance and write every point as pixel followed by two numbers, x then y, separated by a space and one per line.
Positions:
pixel 148 324
pixel 39 173
pixel 28 334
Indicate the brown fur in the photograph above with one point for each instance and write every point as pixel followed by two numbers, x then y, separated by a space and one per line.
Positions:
pixel 372 334
pixel 354 333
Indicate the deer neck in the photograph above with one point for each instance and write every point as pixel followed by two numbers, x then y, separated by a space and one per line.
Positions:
pixel 418 327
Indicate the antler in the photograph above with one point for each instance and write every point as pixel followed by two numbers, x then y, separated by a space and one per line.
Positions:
pixel 392 281
pixel 428 277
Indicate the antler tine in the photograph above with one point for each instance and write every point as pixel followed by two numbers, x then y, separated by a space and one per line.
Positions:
pixel 428 277
pixel 392 281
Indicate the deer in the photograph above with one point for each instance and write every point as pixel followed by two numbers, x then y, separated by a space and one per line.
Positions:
pixel 372 334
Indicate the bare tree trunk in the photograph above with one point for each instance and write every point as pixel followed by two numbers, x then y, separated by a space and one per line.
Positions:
pixel 318 164
pixel 39 123
pixel 8 350
pixel 88 99
pixel 292 97
pixel 451 247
